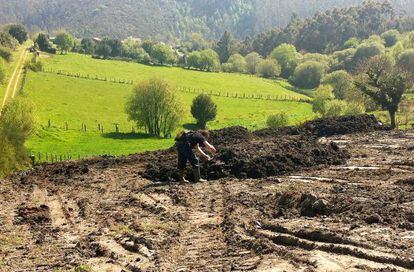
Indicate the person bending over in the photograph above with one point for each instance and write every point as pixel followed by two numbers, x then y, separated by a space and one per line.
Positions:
pixel 186 143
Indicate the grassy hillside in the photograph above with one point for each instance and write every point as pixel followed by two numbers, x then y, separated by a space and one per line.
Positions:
pixel 62 99
pixel 224 82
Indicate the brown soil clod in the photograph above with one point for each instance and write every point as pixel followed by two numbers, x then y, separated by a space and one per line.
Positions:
pixel 33 215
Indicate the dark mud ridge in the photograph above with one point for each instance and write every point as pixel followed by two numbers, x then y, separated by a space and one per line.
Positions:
pixel 267 152
pixel 241 154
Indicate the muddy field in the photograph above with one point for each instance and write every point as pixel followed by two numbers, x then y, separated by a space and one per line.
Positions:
pixel 351 213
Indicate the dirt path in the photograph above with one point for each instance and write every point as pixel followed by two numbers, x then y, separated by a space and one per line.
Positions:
pixel 13 83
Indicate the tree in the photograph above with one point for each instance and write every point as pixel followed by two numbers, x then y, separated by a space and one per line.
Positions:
pixel 308 75
pixel 88 46
pixel 384 83
pixel 406 60
pixel 103 50
pixel 42 40
pixel 343 60
pixel 390 37
pixel 6 40
pixel 236 64
pixel 115 45
pixel 203 110
pixel 196 43
pixel 155 107
pixel 366 51
pixel 65 41
pixel 17 124
pixel 2 73
pixel 287 57
pixel 320 97
pixel 194 60
pixel 147 45
pixel 224 47
pixel 6 54
pixel 269 68
pixel 209 60
pixel 18 32
pixel 277 120
pixel 163 54
pixel 252 62
pixel 341 81
pixel 351 43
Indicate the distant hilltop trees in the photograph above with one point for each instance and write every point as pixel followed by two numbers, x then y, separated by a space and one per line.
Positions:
pixel 168 20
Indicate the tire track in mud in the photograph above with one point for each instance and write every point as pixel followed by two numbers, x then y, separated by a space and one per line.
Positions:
pixel 308 244
pixel 201 245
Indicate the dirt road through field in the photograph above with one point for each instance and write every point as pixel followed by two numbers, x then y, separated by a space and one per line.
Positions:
pixel 13 83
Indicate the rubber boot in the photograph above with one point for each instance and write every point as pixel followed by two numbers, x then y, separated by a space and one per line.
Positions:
pixel 197 175
pixel 183 180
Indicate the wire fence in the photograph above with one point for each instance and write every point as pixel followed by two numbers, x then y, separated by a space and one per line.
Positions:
pixel 218 93
pixel 87 76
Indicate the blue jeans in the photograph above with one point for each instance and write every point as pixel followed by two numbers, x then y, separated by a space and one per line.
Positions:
pixel 186 153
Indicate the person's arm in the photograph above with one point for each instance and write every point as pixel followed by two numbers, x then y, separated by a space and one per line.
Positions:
pixel 207 157
pixel 210 147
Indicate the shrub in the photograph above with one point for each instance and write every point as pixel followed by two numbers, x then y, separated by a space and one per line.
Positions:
pixel 390 37
pixel 203 110
pixel 154 107
pixel 35 65
pixel 334 108
pixel 252 63
pixel 354 109
pixel 277 120
pixel 6 54
pixel 406 60
pixel 308 75
pixel 269 68
pixel 16 126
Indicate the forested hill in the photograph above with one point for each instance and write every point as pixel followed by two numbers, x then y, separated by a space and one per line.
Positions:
pixel 165 19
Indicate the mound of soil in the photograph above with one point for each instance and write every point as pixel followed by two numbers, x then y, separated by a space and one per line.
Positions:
pixel 343 125
pixel 328 127
pixel 255 158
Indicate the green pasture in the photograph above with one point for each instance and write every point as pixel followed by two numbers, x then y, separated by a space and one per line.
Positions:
pixel 223 82
pixel 75 101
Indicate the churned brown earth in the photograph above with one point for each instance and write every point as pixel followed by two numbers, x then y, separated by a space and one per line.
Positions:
pixel 355 214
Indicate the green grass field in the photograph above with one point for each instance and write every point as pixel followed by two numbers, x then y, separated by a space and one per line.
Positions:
pixel 62 99
pixel 225 82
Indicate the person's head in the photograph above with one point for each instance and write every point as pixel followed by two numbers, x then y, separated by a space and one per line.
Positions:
pixel 205 134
